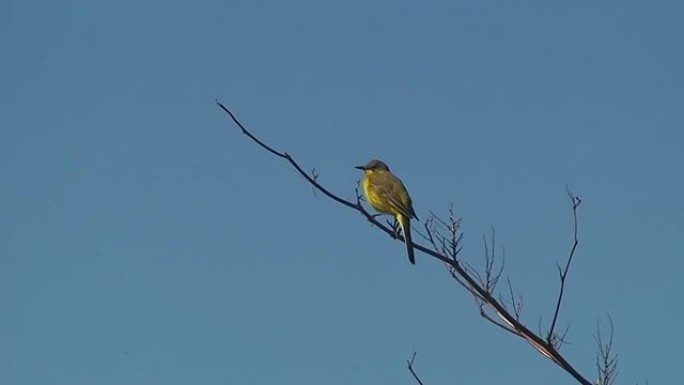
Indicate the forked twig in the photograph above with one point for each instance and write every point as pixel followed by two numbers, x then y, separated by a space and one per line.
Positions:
pixel 409 364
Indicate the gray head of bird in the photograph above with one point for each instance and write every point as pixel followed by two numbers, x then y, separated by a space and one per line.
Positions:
pixel 374 165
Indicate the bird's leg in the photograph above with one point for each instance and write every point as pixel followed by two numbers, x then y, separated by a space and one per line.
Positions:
pixel 395 226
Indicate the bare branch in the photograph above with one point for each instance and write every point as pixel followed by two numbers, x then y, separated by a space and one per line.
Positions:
pixel 488 317
pixel 446 249
pixel 291 160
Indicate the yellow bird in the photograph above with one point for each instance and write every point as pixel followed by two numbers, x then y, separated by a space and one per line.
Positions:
pixel 386 194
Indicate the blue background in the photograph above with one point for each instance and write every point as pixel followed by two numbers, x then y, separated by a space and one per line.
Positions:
pixel 144 240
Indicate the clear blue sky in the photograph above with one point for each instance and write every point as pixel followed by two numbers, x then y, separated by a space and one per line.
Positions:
pixel 144 240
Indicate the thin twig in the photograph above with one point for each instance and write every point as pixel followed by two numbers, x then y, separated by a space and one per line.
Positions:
pixel 606 361
pixel 575 201
pixel 410 368
pixel 517 305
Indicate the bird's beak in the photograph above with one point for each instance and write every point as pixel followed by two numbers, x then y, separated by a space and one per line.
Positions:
pixel 360 167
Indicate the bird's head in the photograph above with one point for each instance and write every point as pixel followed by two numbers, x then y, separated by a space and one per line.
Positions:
pixel 374 166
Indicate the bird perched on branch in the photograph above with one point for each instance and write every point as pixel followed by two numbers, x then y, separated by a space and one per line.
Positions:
pixel 386 194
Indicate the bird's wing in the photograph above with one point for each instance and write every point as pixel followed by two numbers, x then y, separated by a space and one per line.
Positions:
pixel 394 193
